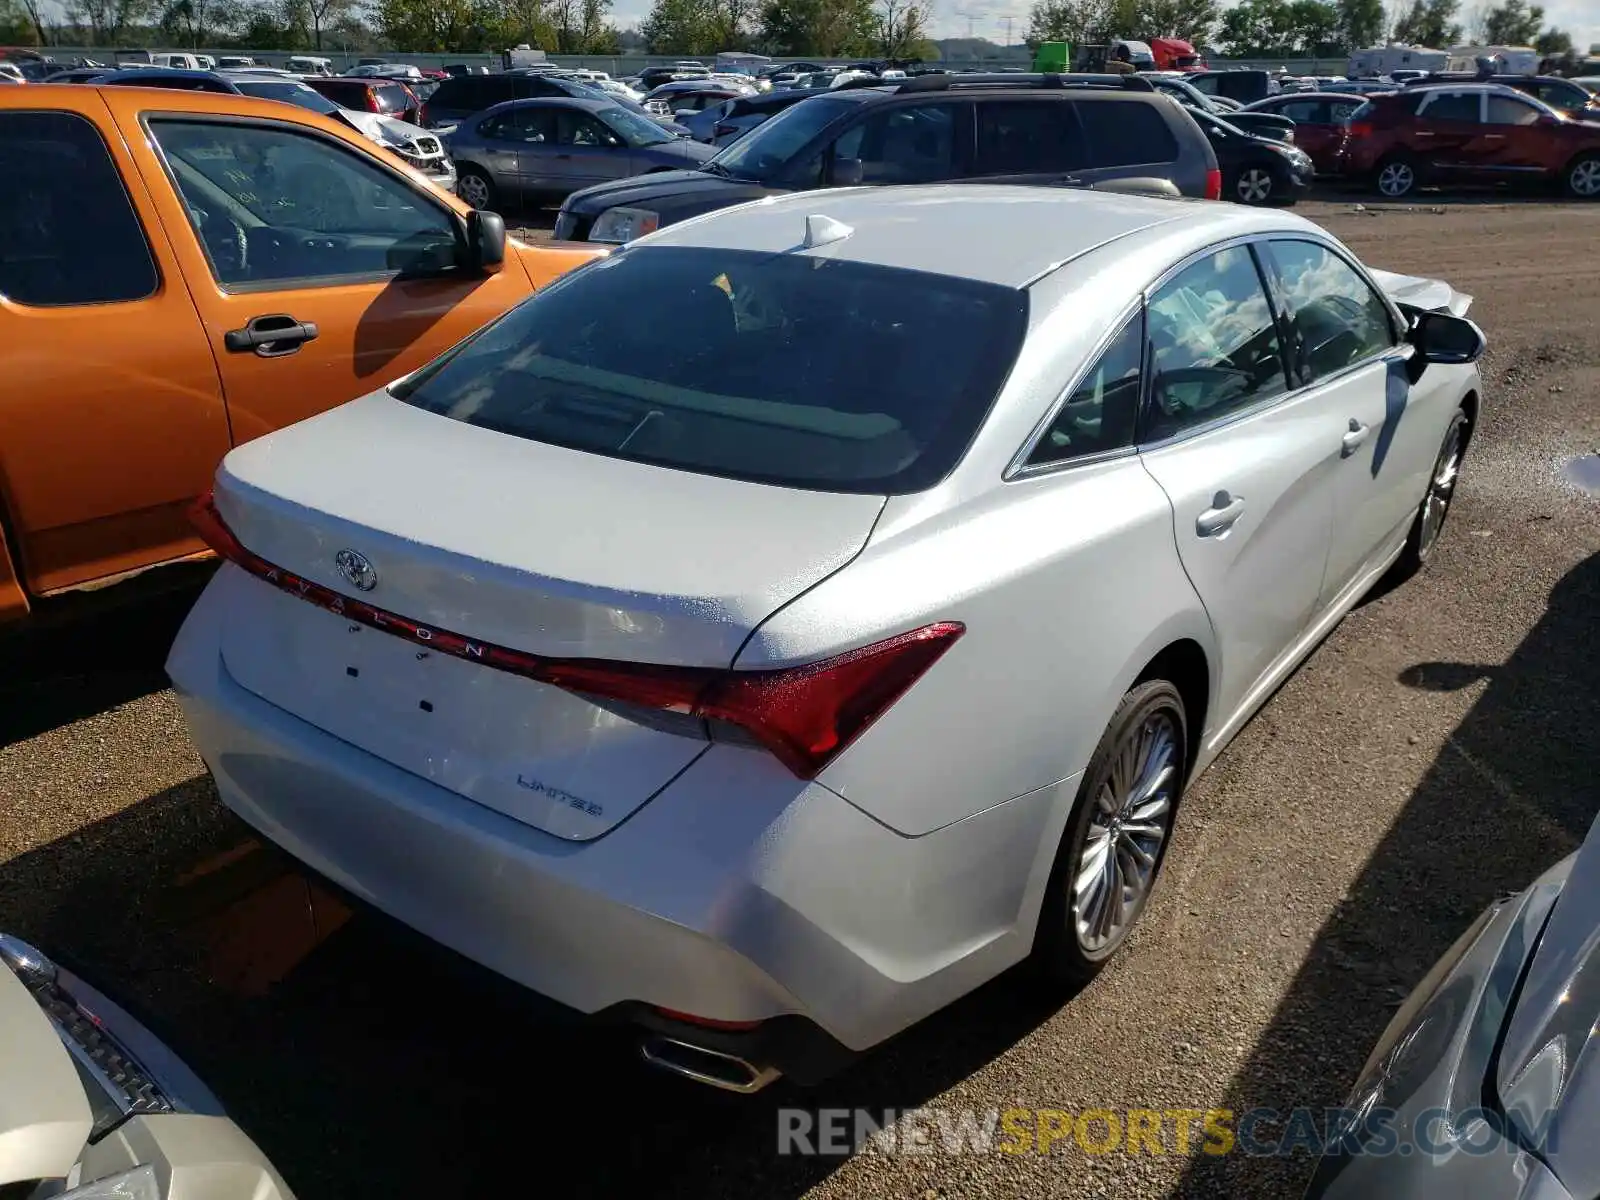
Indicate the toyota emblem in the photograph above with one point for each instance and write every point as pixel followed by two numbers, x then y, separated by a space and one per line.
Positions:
pixel 358 572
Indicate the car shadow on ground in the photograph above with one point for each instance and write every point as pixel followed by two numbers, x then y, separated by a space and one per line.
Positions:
pixel 1512 791
pixel 67 669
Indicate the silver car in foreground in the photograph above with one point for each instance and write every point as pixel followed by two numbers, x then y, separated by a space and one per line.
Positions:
pixel 1488 1070
pixel 777 628
pixel 93 1107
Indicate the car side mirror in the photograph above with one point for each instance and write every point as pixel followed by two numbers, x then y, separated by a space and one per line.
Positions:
pixel 486 241
pixel 1441 337
pixel 848 172
pixel 681 113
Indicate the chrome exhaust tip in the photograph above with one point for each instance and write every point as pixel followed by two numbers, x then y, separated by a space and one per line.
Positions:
pixel 713 1068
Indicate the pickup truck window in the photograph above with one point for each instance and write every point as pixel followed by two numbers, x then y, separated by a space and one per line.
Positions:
pixel 271 205
pixel 68 233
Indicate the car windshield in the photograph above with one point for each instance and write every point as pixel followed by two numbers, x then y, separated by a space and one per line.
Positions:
pixel 780 368
pixel 289 92
pixel 771 146
pixel 635 130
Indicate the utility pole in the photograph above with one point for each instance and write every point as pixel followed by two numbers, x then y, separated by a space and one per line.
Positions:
pixel 969 25
pixel 1008 31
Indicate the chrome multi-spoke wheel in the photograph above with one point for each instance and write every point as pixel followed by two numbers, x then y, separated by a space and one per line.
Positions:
pixel 1435 505
pixel 1116 838
pixel 1127 828
pixel 475 189
pixel 1396 178
pixel 1441 487
pixel 1254 185
pixel 1583 179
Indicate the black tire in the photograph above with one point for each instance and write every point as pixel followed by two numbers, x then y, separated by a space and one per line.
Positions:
pixel 1061 950
pixel 1396 176
pixel 1441 490
pixel 1258 185
pixel 469 178
pixel 1581 178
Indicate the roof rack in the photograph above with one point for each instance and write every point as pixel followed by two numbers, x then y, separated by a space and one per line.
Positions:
pixel 1109 82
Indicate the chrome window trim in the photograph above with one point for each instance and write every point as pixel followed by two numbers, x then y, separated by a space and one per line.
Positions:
pixel 1018 467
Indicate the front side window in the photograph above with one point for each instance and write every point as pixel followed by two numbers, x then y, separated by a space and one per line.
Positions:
pixel 580 129
pixel 1334 318
pixel 1027 137
pixel 807 372
pixel 68 232
pixel 637 131
pixel 270 204
pixel 911 144
pixel 1103 408
pixel 1213 344
pixel 1503 110
pixel 770 149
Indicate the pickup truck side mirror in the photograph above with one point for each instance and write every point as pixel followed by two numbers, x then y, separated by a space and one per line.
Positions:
pixel 1441 337
pixel 486 241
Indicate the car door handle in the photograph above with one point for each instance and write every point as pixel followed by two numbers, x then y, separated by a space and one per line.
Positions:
pixel 1225 510
pixel 1494 137
pixel 1420 133
pixel 1354 437
pixel 271 336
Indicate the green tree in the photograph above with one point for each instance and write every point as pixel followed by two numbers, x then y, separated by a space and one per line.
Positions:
pixel 106 20
pixel 433 26
pixel 1430 23
pixel 901 28
pixel 1070 21
pixel 1361 23
pixel 679 27
pixel 16 26
pixel 1553 43
pixel 1077 21
pixel 1513 23
pixel 819 28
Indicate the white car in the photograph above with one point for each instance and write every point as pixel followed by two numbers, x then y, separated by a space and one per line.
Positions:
pixel 777 673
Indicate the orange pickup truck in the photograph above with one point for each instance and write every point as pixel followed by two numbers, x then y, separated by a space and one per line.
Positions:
pixel 181 272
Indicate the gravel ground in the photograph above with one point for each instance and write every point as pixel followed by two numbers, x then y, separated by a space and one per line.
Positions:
pixel 1437 750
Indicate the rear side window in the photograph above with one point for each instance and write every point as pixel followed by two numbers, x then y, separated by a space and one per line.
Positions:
pixel 458 93
pixel 1126 133
pixel 1452 106
pixel 802 371
pixel 68 233
pixel 1027 137
pixel 1100 414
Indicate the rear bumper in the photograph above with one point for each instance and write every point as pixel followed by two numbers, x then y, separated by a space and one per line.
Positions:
pixel 738 894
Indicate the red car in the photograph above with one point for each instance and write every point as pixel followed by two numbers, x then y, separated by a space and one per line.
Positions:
pixel 1319 120
pixel 1469 133
pixel 369 94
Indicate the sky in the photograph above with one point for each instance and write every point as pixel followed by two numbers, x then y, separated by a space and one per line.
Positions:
pixel 987 18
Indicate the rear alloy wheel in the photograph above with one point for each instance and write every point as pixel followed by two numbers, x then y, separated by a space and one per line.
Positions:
pixel 1116 838
pixel 1583 177
pixel 1396 177
pixel 1255 185
pixel 475 188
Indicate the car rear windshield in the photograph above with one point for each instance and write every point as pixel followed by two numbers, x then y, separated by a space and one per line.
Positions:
pixel 781 368
pixel 393 98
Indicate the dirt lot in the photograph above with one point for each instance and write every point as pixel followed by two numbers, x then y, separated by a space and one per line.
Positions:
pixel 1439 749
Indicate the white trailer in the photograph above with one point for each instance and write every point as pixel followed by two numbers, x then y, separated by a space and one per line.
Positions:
pixel 1508 60
pixel 1380 60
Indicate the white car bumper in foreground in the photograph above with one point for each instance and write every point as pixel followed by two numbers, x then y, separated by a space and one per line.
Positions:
pixel 739 894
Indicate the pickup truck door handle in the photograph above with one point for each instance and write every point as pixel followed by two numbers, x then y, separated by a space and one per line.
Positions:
pixel 271 336
pixel 1354 437
pixel 1225 510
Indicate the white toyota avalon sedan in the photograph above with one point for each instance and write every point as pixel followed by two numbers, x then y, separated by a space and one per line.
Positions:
pixel 772 631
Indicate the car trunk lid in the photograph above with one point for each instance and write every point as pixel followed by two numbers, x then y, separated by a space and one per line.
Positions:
pixel 515 544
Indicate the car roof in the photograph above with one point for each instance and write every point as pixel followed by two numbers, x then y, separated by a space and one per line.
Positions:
pixel 1031 230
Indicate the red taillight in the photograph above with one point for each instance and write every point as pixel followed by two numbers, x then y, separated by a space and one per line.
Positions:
pixel 673 1014
pixel 1359 129
pixel 803 715
pixel 1213 185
